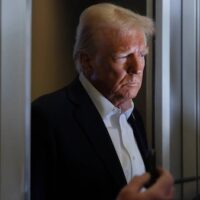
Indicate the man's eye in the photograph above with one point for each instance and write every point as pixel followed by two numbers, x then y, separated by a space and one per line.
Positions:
pixel 122 57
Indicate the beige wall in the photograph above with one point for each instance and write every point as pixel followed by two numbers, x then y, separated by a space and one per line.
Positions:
pixel 52 65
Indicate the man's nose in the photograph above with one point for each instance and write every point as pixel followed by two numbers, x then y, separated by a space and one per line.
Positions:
pixel 135 64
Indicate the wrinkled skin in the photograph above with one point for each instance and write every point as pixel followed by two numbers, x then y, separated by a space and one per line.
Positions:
pixel 116 69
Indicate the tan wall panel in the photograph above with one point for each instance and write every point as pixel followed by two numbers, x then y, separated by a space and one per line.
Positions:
pixel 52 65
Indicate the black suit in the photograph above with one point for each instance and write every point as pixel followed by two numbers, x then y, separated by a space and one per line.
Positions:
pixel 72 153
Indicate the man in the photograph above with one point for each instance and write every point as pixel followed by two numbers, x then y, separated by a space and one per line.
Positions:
pixel 88 140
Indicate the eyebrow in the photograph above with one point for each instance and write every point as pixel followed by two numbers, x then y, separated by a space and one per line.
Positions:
pixel 124 52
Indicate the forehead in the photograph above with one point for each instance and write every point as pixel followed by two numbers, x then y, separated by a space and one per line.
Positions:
pixel 117 40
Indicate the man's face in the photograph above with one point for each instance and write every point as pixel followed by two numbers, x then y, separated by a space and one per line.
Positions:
pixel 118 65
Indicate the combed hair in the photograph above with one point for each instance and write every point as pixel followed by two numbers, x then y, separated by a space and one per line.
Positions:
pixel 106 15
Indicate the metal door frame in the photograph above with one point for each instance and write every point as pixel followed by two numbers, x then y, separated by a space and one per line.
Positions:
pixel 15 67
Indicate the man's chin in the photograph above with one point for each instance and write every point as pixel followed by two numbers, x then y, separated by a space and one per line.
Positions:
pixel 132 95
pixel 128 97
pixel 132 89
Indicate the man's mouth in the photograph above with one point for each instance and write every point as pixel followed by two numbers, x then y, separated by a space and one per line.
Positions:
pixel 132 84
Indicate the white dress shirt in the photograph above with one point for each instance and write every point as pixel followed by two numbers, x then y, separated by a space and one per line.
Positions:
pixel 119 130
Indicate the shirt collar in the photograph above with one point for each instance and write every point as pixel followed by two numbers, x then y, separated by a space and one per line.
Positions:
pixel 103 105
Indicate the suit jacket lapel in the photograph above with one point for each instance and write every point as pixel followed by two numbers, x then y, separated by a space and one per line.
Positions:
pixel 94 128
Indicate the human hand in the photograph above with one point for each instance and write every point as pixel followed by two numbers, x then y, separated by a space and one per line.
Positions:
pixel 161 190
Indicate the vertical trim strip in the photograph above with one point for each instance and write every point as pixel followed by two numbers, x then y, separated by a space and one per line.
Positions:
pixel 15 99
pixel 149 78
pixel 198 90
pixel 162 83
pixel 0 98
pixel 27 86
pixel 181 133
pixel 189 94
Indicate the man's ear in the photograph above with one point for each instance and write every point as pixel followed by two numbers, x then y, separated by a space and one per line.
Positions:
pixel 85 61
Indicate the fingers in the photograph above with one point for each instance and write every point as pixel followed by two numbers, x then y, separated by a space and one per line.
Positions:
pixel 138 182
pixel 166 178
pixel 161 190
pixel 164 186
pixel 132 190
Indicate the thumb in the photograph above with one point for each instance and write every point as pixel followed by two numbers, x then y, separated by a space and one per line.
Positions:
pixel 138 182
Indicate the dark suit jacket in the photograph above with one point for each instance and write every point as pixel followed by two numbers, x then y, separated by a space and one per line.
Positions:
pixel 72 154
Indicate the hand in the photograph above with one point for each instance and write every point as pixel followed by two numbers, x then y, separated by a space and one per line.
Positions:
pixel 161 190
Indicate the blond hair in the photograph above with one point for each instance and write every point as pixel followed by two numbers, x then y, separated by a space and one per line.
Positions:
pixel 101 16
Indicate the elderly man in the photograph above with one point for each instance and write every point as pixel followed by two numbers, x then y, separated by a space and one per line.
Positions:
pixel 88 140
